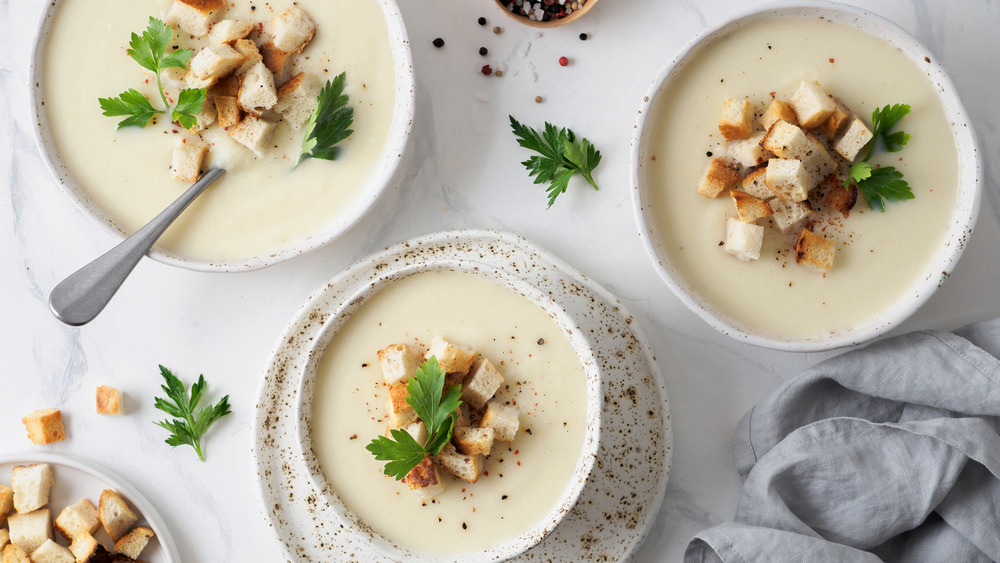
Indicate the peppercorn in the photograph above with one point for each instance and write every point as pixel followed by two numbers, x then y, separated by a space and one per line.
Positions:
pixel 483 51
pixel 563 61
pixel 487 70
pixel 497 30
pixel 583 37
pixel 538 99
pixel 438 42
pixel 482 21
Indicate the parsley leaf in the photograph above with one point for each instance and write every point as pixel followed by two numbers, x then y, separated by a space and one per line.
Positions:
pixel 883 121
pixel 189 103
pixel 436 408
pixel 559 156
pixel 879 184
pixel 132 103
pixel 884 183
pixel 329 123
pixel 188 426
pixel 149 50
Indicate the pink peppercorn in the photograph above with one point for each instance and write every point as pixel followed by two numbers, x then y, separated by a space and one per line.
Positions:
pixel 563 61
pixel 487 70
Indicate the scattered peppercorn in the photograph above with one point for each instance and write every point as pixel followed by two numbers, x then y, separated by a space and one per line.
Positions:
pixel 499 73
pixel 487 70
pixel 483 51
pixel 563 61
pixel 538 99
pixel 482 21
pixel 497 30
pixel 583 37
pixel 438 42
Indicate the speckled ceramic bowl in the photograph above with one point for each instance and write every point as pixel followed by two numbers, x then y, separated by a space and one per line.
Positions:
pixel 624 390
pixel 944 256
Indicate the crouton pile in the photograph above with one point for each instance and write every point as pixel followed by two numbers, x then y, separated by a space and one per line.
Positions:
pixel 483 419
pixel 28 537
pixel 774 164
pixel 240 67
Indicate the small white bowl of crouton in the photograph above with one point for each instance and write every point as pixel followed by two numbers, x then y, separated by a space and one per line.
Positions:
pixel 804 176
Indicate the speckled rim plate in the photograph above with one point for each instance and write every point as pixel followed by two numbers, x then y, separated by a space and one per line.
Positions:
pixel 376 184
pixel 76 479
pixel 947 255
pixel 621 497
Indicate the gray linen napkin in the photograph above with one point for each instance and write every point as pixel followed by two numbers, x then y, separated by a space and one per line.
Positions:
pixel 890 452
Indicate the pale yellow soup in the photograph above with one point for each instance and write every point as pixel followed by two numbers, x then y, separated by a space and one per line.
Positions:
pixel 879 256
pixel 261 205
pixel 543 375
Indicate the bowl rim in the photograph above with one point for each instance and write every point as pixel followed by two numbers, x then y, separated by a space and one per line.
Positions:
pixel 965 213
pixel 377 183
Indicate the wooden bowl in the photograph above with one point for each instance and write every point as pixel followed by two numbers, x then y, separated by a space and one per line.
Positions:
pixel 551 23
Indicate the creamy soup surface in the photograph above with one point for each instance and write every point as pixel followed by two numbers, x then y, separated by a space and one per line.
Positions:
pixel 260 206
pixel 879 256
pixel 523 479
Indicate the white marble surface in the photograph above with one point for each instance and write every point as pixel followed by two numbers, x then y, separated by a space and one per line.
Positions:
pixel 462 171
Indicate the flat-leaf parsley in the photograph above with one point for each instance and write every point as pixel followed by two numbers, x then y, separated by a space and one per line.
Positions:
pixel 559 156
pixel 878 184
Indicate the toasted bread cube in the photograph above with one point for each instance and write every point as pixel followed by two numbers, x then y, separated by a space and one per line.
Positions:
pixel 417 430
pixel 215 61
pixel 788 215
pixel 204 118
pixel 399 363
pixel 227 31
pixel 815 252
pixel 4 538
pixel 292 30
pixel 743 240
pixel 31 484
pixel 502 419
pixel 818 162
pixel 837 119
pixel 749 207
pixel 132 543
pixel 778 111
pixel 473 441
pixel 719 176
pixel 785 140
pixel 257 91
pixel 482 383
pixel 273 57
pixel 253 133
pixel 30 529
pixel 225 86
pixel 185 165
pixel 250 53
pixel 842 199
pixel 451 358
pixel 465 467
pixel 296 100
pixel 196 16
pixel 51 552
pixel 400 412
pixel 853 140
pixel 228 110
pixel 109 400
pixel 812 105
pixel 787 179
pixel 84 547
pixel 192 80
pixel 736 121
pixel 753 184
pixel 748 152
pixel 13 553
pixel 425 478
pixel 115 514
pixel 76 519
pixel 6 502
pixel 44 426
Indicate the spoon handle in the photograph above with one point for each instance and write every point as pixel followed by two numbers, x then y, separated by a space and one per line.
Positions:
pixel 80 297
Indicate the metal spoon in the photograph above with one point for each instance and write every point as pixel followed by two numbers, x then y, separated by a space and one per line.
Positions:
pixel 80 297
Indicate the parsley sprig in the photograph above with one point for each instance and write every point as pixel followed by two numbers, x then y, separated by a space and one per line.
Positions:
pixel 878 184
pixel 435 407
pixel 559 156
pixel 150 51
pixel 188 426
pixel 329 123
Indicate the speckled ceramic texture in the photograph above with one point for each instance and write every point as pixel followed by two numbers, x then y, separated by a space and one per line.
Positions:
pixel 621 495
pixel 376 184
pixel 963 217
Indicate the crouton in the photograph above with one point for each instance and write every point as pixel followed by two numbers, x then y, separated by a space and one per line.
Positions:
pixel 399 363
pixel 749 207
pixel 30 529
pixel 226 86
pixel 465 467
pixel 753 184
pixel 818 162
pixel 482 383
pixel 748 153
pixel 790 142
pixel 215 61
pixel 296 100
pixel 253 133
pixel 193 81
pixel 51 552
pixel 853 140
pixel 196 16
pixel 274 58
pixel 251 55
pixel 737 119
pixel 257 91
pixel 13 553
pixel 115 514
pixel 84 547
pixel 837 119
pixel 425 478
pixel 76 519
pixel 502 419
pixel 228 110
pixel 473 441
pixel 814 251
pixel 787 179
pixel 743 240
pixel 227 31
pixel 44 426
pixel 778 111
pixel 6 502
pixel 109 400
pixel 812 105
pixel 453 379
pixel 31 484
pixel 788 215
pixel 132 543
pixel 4 538
pixel 185 166
pixel 400 412
pixel 204 118
pixel 719 176
pixel 842 199
pixel 451 358
pixel 292 30
pixel 417 430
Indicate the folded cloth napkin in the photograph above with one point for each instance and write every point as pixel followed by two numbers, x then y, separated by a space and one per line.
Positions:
pixel 890 452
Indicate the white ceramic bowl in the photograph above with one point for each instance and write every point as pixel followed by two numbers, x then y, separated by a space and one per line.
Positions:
pixel 375 185
pixel 945 255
